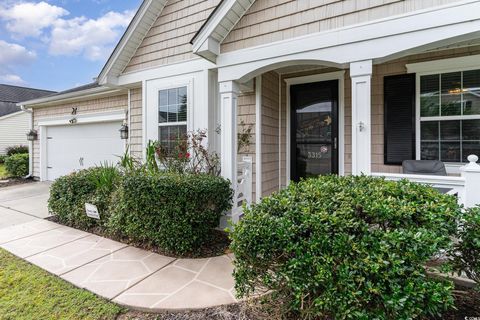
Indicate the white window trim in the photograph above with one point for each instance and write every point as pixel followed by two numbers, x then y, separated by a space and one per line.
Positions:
pixel 340 76
pixel 459 64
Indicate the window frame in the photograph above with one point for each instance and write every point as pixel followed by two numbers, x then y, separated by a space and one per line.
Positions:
pixel 460 64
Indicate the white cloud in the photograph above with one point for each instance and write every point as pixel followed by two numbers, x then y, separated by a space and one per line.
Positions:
pixel 92 38
pixel 12 79
pixel 88 37
pixel 12 55
pixel 30 19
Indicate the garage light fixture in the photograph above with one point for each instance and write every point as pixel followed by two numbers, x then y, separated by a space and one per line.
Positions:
pixel 32 135
pixel 124 132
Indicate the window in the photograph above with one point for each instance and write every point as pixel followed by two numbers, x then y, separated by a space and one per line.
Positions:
pixel 450 116
pixel 172 116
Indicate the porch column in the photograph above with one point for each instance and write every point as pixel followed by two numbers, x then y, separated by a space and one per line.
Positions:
pixel 361 74
pixel 228 102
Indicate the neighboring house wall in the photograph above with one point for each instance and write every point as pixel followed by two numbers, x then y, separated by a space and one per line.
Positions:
pixel 13 130
pixel 168 41
pixel 136 128
pixel 119 102
pixel 269 21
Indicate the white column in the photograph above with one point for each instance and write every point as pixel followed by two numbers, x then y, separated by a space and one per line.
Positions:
pixel 228 103
pixel 471 173
pixel 361 74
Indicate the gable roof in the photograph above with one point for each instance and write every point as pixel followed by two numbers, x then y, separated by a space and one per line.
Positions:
pixel 11 95
pixel 223 19
pixel 136 31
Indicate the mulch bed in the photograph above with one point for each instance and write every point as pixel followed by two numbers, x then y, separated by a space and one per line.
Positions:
pixel 216 246
pixel 14 181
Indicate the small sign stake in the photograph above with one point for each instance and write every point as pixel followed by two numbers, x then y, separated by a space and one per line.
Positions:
pixel 92 211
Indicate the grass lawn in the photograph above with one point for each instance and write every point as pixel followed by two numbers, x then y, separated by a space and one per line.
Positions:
pixel 27 292
pixel 3 171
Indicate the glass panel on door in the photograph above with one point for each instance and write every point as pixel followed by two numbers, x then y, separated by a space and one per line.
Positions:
pixel 314 135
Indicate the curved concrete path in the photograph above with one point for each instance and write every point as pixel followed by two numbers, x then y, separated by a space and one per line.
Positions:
pixel 126 275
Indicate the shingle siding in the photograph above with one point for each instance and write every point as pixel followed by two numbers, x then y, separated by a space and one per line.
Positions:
pixel 168 41
pixel 273 20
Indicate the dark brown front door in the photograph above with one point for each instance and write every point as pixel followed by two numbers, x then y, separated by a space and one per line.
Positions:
pixel 314 133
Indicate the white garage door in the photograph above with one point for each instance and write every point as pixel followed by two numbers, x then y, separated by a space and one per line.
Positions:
pixel 82 146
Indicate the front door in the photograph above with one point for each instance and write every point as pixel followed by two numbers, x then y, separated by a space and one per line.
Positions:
pixel 314 133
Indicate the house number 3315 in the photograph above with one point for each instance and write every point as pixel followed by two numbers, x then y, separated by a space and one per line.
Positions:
pixel 314 155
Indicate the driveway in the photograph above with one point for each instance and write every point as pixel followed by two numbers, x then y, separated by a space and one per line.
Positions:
pixel 23 203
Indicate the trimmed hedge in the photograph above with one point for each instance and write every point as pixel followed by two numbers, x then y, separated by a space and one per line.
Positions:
pixel 176 212
pixel 68 195
pixel 16 150
pixel 347 248
pixel 17 165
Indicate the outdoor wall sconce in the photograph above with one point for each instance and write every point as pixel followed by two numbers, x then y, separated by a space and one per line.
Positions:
pixel 32 135
pixel 124 132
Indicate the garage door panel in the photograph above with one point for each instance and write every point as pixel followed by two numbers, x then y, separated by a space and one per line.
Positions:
pixel 71 148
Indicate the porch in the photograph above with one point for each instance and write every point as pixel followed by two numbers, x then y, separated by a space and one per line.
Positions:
pixel 352 131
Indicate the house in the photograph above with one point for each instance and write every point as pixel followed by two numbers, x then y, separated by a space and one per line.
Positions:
pixel 343 87
pixel 14 123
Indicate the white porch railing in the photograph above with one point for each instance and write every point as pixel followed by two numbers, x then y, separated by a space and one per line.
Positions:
pixel 466 187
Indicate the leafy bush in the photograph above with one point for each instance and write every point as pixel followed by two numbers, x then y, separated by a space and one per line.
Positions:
pixel 175 212
pixel 68 195
pixel 466 252
pixel 16 150
pixel 347 248
pixel 17 165
pixel 3 158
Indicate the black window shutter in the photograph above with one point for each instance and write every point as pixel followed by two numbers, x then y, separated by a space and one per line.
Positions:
pixel 399 118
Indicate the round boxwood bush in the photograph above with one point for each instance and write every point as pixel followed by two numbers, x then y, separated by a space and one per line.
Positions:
pixel 68 195
pixel 177 212
pixel 17 165
pixel 466 252
pixel 347 248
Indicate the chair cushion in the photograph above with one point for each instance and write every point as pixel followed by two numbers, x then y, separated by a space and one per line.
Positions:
pixel 426 167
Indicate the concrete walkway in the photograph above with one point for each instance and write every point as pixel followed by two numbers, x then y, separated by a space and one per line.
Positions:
pixel 129 276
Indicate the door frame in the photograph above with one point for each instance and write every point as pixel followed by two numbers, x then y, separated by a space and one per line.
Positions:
pixel 90 118
pixel 340 76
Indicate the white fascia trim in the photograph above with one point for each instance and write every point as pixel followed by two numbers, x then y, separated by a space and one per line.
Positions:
pixel 118 115
pixel 445 65
pixel 204 40
pixel 104 77
pixel 10 115
pixel 392 35
pixel 85 94
pixel 165 71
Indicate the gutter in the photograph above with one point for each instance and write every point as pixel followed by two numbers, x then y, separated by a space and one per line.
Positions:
pixel 70 96
pixel 30 146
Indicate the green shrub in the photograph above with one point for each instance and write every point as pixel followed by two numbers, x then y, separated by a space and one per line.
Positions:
pixel 175 212
pixel 17 165
pixel 466 252
pixel 16 150
pixel 69 194
pixel 347 248
pixel 3 158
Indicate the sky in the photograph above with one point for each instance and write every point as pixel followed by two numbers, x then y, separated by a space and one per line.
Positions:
pixel 59 44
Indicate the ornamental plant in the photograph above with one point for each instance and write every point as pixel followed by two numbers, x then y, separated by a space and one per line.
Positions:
pixel 17 165
pixel 189 155
pixel 347 248
pixel 466 253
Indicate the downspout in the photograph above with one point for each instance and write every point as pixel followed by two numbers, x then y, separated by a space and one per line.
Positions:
pixel 30 144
